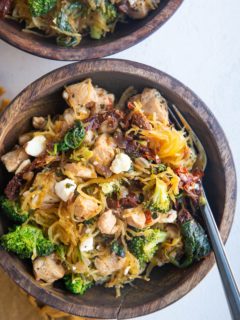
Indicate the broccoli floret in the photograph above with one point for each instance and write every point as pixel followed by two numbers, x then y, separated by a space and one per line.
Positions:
pixel 144 247
pixel 60 251
pixel 13 211
pixel 44 246
pixel 41 7
pixel 27 241
pixel 77 284
pixel 159 201
pixel 109 15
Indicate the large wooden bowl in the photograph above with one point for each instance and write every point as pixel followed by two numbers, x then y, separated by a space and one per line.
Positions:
pixel 168 283
pixel 125 36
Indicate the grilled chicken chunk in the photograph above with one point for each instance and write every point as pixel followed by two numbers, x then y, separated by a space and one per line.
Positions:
pixel 14 158
pixel 77 170
pixel 107 222
pixel 103 154
pixel 153 102
pixel 48 269
pixel 83 208
pixel 135 217
pixel 109 264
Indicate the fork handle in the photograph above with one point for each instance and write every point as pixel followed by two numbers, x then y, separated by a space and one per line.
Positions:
pixel 229 284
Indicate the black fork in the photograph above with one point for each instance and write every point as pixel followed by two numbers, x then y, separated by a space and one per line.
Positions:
pixel 228 281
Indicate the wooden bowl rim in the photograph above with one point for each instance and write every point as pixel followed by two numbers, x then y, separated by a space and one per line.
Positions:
pixel 20 41
pixel 64 74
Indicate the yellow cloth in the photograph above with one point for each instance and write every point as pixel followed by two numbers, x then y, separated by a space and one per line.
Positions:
pixel 16 305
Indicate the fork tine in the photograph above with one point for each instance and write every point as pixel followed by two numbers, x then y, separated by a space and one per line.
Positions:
pixel 181 122
pixel 174 118
pixel 229 283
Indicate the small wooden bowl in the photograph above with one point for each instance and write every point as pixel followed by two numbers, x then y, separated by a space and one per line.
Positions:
pixel 168 283
pixel 125 36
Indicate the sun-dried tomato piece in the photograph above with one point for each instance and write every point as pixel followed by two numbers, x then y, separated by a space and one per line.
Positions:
pixel 130 201
pixel 13 187
pixel 148 216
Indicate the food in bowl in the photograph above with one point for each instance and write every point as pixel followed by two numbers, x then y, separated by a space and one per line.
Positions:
pixel 104 192
pixel 71 20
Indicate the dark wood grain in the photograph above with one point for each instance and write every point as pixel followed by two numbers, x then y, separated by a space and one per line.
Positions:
pixel 125 36
pixel 168 283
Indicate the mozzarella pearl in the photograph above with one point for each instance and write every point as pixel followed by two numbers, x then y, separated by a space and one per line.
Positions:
pixel 36 146
pixel 86 244
pixel 64 189
pixel 121 163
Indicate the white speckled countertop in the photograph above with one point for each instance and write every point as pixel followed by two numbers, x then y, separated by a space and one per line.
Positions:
pixel 200 46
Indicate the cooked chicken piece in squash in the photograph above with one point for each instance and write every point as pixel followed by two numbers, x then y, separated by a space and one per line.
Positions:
pixel 135 217
pixel 69 116
pixel 109 264
pixel 23 166
pixel 86 99
pixel 79 96
pixel 168 217
pixel 42 194
pixel 107 222
pixel 104 101
pixel 153 102
pixel 84 208
pixel 24 138
pixel 103 154
pixel 39 122
pixel 89 138
pixel 14 158
pixel 48 269
pixel 137 9
pixel 77 170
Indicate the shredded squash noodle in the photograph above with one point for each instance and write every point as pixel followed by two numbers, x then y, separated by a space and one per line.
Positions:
pixel 104 192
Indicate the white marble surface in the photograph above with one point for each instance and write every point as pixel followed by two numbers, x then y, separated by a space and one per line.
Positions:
pixel 200 46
